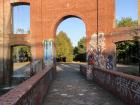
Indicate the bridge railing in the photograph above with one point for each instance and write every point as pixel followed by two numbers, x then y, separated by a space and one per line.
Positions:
pixel 30 92
pixel 124 86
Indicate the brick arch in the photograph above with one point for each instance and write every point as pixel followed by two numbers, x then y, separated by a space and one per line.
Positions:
pixel 19 2
pixel 65 16
pixel 20 44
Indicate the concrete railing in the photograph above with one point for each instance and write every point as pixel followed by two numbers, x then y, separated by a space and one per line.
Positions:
pixel 125 87
pixel 30 92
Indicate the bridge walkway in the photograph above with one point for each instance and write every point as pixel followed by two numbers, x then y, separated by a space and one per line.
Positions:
pixel 71 88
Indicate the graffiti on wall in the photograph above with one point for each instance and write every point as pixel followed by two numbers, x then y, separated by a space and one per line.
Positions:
pixel 48 52
pixel 128 88
pixel 109 64
pixel 124 86
pixel 96 54
pixel 95 51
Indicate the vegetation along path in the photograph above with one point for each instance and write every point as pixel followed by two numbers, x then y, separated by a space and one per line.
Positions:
pixel 71 88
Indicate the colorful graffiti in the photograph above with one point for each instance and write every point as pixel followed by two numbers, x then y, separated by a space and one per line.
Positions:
pixel 96 49
pixel 109 64
pixel 96 54
pixel 48 52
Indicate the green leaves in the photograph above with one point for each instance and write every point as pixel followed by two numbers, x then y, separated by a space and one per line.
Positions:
pixel 126 22
pixel 82 46
pixel 64 49
pixel 126 50
pixel 80 50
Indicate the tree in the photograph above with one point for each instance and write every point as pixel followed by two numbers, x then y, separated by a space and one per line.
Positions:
pixel 82 46
pixel 21 52
pixel 126 22
pixel 20 31
pixel 80 50
pixel 126 51
pixel 64 49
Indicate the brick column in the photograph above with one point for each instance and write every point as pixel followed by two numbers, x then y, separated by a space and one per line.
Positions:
pixel 1 41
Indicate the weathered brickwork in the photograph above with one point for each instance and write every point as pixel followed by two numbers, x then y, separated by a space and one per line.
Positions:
pixel 45 16
pixel 31 92
pixel 123 86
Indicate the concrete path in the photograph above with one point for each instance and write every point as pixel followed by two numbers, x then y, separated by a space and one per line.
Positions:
pixel 71 88
pixel 21 69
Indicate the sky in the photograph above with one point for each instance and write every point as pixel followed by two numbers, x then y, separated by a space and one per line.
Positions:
pixel 74 27
pixel 21 18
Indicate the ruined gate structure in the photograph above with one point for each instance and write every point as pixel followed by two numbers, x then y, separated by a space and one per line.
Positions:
pixel 45 16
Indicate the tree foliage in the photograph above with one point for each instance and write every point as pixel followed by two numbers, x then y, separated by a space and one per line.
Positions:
pixel 22 31
pixel 64 49
pixel 127 52
pixel 80 50
pixel 126 22
pixel 21 54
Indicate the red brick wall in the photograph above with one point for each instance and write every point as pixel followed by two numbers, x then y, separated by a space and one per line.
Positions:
pixel 47 14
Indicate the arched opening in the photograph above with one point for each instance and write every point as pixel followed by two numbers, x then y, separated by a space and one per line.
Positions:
pixel 19 67
pixel 21 18
pixel 20 60
pixel 71 39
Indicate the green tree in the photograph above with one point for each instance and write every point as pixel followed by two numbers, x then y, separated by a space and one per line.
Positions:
pixel 80 50
pixel 64 49
pixel 82 46
pixel 126 51
pixel 20 31
pixel 25 50
pixel 126 22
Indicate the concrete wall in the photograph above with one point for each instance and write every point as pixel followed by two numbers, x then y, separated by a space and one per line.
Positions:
pixel 125 87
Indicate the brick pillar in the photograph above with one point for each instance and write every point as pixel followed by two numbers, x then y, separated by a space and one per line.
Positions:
pixel 5 60
pixel 1 41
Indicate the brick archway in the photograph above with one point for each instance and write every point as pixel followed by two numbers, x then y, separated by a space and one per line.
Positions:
pixel 62 18
pixel 45 15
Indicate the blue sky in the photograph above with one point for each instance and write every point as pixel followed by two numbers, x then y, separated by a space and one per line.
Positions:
pixel 21 18
pixel 74 27
pixel 126 8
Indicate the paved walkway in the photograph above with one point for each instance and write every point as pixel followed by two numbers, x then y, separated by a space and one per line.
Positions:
pixel 71 88
pixel 21 69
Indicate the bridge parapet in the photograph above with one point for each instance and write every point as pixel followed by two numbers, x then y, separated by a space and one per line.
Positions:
pixel 125 87
pixel 30 92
